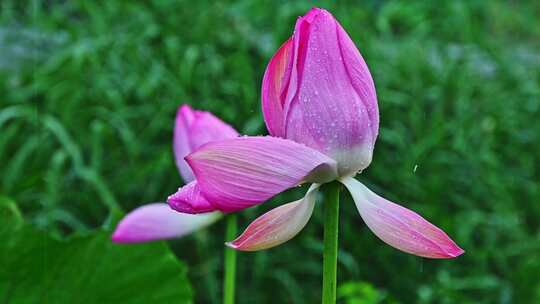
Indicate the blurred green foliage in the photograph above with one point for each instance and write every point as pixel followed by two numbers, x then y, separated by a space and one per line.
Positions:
pixel 35 268
pixel 361 293
pixel 89 91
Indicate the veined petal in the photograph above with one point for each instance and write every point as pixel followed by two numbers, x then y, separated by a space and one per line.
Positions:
pixel 360 78
pixel 278 225
pixel 157 221
pixel 189 199
pixel 400 227
pixel 193 129
pixel 238 173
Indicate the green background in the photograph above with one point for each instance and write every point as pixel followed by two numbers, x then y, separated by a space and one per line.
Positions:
pixel 88 94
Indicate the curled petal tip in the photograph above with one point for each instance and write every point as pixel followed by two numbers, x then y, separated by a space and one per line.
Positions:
pixel 449 251
pixel 189 199
pixel 231 245
pixel 456 253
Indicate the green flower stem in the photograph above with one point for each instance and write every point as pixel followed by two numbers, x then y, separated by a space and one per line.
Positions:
pixel 331 220
pixel 230 261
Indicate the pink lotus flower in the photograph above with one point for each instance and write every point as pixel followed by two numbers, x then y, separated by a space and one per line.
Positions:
pixel 320 108
pixel 158 221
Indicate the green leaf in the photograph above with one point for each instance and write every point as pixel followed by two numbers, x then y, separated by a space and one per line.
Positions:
pixel 35 268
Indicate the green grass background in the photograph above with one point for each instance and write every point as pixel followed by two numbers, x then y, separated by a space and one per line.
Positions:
pixel 89 90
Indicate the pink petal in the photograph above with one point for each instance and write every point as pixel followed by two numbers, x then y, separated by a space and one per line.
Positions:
pixel 273 84
pixel 400 227
pixel 193 129
pixel 278 225
pixel 327 94
pixel 207 128
pixel 158 222
pixel 189 199
pixel 181 142
pixel 238 173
